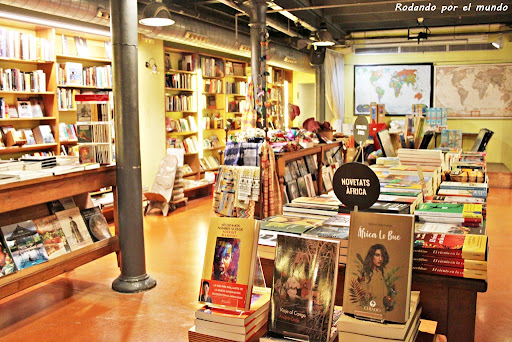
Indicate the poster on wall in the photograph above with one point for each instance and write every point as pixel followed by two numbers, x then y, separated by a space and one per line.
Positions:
pixel 474 91
pixel 397 86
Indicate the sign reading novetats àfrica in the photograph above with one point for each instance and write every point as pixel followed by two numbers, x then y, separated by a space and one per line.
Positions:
pixel 356 184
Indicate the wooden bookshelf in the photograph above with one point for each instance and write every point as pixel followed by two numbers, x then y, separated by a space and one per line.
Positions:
pixel 44 118
pixel 27 148
pixel 83 59
pixel 23 200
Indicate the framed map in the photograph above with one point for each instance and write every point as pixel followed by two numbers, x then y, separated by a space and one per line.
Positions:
pixel 474 91
pixel 398 86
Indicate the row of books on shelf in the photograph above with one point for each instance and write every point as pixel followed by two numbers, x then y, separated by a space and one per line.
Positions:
pixel 41 134
pixel 212 142
pixel 187 124
pixel 235 69
pixel 94 132
pixel 213 122
pixel 25 46
pixel 180 103
pixel 209 163
pixel 237 106
pixel 238 88
pixel 180 81
pixel 66 229
pixel 23 108
pixel 82 50
pixel 212 86
pixel 189 145
pixel 75 74
pixel 96 153
pixel 18 80
pixel 66 98
pixel 211 67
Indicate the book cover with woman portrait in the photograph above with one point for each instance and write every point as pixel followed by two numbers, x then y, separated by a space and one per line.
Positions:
pixel 379 266
pixel 229 263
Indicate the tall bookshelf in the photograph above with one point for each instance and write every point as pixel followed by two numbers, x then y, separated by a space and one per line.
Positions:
pixel 279 83
pixel 46 53
pixel 20 56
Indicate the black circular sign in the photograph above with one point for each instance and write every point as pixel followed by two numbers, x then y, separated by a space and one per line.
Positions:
pixel 356 184
pixel 361 129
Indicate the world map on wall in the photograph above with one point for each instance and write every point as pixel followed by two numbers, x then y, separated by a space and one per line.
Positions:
pixel 398 87
pixel 474 90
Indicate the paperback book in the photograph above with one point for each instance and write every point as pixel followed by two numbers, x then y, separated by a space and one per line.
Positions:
pixel 228 269
pixel 53 236
pixel 7 265
pixel 25 244
pixel 74 228
pixel 96 223
pixel 378 274
pixel 450 271
pixel 304 287
pixel 452 246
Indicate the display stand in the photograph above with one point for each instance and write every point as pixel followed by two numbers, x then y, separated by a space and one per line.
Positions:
pixel 27 200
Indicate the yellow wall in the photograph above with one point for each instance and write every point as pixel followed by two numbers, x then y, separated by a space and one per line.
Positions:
pixel 151 110
pixel 500 146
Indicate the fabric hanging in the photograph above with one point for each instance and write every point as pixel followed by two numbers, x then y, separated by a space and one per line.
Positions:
pixel 335 84
pixel 271 196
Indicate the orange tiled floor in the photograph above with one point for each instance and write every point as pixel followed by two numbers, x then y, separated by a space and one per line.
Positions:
pixel 80 306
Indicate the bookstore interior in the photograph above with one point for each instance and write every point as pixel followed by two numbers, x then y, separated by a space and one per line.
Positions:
pixel 247 171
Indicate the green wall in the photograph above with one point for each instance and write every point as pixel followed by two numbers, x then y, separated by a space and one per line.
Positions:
pixel 151 109
pixel 500 146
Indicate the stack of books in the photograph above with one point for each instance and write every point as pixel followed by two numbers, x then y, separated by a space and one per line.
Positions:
pixel 358 330
pixel 420 156
pixel 228 325
pixel 466 214
pixel 463 255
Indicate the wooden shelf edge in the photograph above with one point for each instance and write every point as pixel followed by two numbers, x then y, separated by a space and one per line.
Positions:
pixel 87 59
pixel 27 148
pixel 42 118
pixel 34 275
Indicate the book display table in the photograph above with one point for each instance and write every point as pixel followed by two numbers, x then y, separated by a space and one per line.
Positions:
pixel 27 200
pixel 448 300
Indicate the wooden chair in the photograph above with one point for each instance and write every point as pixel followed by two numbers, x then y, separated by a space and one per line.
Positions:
pixel 161 192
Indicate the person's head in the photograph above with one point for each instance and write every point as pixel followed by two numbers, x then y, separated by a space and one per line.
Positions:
pixel 206 287
pixel 70 218
pixel 376 258
pixel 222 259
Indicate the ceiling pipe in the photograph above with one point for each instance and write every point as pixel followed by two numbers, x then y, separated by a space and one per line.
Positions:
pixel 216 38
pixel 444 30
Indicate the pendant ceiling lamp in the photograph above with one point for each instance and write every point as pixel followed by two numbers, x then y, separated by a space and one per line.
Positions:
pixel 324 37
pixel 156 14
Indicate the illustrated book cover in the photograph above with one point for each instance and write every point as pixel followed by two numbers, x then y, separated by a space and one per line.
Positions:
pixel 379 265
pixel 96 223
pixel 54 240
pixel 7 265
pixel 25 244
pixel 304 287
pixel 74 228
pixel 61 204
pixel 229 258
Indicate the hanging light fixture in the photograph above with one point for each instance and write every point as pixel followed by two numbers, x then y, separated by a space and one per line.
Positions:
pixel 324 37
pixel 498 43
pixel 156 14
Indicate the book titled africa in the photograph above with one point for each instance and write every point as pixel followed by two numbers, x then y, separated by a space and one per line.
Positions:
pixel 379 266
pixel 304 287
pixel 229 263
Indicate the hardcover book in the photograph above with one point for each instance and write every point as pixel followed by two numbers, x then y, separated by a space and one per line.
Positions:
pixel 228 268
pixel 452 246
pixel 53 236
pixel 74 228
pixel 292 228
pixel 25 244
pixel 337 233
pixel 294 219
pixel 96 223
pixel 304 287
pixel 378 274
pixel 7 265
pixel 447 228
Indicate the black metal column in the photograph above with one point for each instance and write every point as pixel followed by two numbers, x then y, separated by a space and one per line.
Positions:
pixel 124 25
pixel 258 17
pixel 320 92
